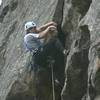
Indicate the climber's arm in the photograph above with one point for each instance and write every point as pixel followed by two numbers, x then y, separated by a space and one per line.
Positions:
pixel 45 26
pixel 46 31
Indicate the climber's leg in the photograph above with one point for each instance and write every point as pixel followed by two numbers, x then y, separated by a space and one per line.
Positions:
pixel 50 49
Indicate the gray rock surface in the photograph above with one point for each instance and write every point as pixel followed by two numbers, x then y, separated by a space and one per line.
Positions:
pixel 77 74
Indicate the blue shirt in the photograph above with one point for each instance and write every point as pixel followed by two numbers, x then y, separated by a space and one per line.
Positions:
pixel 32 41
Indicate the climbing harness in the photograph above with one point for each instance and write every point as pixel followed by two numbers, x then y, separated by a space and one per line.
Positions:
pixel 51 61
pixel 33 66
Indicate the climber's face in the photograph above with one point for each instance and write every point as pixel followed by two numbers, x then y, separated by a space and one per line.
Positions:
pixel 32 30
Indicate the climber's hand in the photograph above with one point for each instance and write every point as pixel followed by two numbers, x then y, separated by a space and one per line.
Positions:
pixel 52 23
pixel 52 28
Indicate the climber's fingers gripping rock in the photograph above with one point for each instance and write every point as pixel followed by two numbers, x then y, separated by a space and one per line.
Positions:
pixel 52 24
pixel 52 28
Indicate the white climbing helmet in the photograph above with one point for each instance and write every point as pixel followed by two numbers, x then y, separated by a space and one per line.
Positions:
pixel 29 25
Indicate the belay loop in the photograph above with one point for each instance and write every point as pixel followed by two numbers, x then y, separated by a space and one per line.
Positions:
pixel 51 64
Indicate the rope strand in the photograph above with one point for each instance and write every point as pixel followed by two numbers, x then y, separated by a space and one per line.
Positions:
pixel 53 87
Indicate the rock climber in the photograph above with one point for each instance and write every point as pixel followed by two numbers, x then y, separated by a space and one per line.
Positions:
pixel 34 42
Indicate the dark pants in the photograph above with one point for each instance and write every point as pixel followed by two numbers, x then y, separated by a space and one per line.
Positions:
pixel 49 50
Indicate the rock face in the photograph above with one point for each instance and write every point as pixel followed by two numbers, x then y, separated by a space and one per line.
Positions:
pixel 76 76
